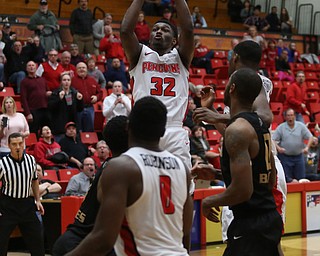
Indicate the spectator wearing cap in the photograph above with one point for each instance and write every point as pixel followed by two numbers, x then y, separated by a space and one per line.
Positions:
pixel 79 184
pixel 64 104
pixel 91 92
pixel 45 24
pixel 98 31
pixel 7 37
pixel 81 27
pixel 72 146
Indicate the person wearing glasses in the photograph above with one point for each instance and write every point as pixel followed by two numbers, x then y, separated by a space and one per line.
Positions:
pixel 51 70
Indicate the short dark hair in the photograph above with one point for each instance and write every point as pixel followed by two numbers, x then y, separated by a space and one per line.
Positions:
pixel 173 27
pixel 115 133
pixel 247 85
pixel 148 119
pixel 14 135
pixel 250 53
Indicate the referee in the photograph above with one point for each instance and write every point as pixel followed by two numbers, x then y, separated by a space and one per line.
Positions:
pixel 18 175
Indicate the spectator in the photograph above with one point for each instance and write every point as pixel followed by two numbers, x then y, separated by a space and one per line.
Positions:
pixel 72 146
pixel 48 189
pixel 111 46
pixel 91 93
pixel 285 21
pixel 197 18
pixel 11 122
pixel 281 46
pixel 255 20
pixel 3 60
pixel 116 73
pixel 75 56
pixel 46 149
pixel 116 104
pixel 273 20
pixel 98 31
pixel 270 54
pixel 142 29
pixel 188 121
pixel 295 97
pixel 199 146
pixel 290 137
pixel 66 65
pixel 246 11
pixel 312 160
pixel 96 73
pixel 101 153
pixel 202 56
pixel 39 51
pixel 293 54
pixel 64 104
pixel 81 27
pixel 253 36
pixel 51 70
pixel 45 24
pixel 167 16
pixel 8 38
pixel 16 64
pixel 79 184
pixel 234 42
pixel 283 67
pixel 34 98
pixel 234 8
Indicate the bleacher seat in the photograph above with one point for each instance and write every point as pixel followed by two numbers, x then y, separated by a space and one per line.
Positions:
pixel 310 67
pixel 209 79
pixel 313 85
pixel 199 71
pixel 314 107
pixel 312 97
pixel 219 95
pixel 217 63
pixel 311 76
pixel 50 175
pixel 196 79
pixel 30 142
pixel 222 72
pixel 66 174
pixel 276 108
pixel 89 138
pixel 213 137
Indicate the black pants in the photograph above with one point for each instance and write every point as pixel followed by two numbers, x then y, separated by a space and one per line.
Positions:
pixel 40 118
pixel 67 242
pixel 21 212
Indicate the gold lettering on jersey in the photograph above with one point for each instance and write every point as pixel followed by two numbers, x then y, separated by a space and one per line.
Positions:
pixel 267 145
pixel 264 178
pixel 81 216
pixel 161 68
pixel 160 162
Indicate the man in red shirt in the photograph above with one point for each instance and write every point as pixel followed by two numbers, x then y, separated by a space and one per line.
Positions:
pixel 91 92
pixel 202 56
pixel 295 97
pixel 65 63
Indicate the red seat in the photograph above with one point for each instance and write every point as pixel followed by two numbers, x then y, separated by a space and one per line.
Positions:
pixel 298 67
pixel 222 83
pixel 31 140
pixel 210 79
pixel 199 71
pixel 312 97
pixel 213 137
pixel 312 85
pixel 89 138
pixel 219 106
pixel 101 59
pixel 276 108
pixel 222 72
pixel 277 90
pixel 219 95
pixel 216 63
pixel 50 175
pixel 314 107
pixel 196 79
pixel 101 66
pixel 69 208
pixel 220 55
pixel 99 121
pixel 278 119
pixel 310 67
pixel 311 76
pixel 66 174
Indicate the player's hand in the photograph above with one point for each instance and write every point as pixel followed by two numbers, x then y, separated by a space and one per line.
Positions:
pixel 208 96
pixel 206 115
pixel 204 171
pixel 210 213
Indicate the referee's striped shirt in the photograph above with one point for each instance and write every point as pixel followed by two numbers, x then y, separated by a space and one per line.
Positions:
pixel 17 176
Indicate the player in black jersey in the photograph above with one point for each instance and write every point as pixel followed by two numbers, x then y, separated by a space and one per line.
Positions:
pixel 116 136
pixel 249 173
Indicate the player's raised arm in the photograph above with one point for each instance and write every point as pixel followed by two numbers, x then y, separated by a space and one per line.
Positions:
pixel 129 39
pixel 186 44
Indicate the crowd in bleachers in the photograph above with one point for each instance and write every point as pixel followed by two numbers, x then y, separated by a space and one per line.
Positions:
pixel 96 59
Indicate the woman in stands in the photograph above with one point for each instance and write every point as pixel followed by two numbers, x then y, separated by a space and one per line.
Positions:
pixel 11 121
pixel 286 21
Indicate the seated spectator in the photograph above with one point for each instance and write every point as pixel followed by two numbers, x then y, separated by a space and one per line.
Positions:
pixel 253 36
pixel 188 121
pixel 283 67
pixel 65 62
pixel 98 31
pixel 39 51
pixel 167 16
pixel 270 54
pixel 285 21
pixel 142 29
pixel 293 54
pixel 197 95
pixel 48 189
pixel 101 153
pixel 289 137
pixel 273 20
pixel 199 146
pixel 246 11
pixel 11 122
pixel 96 73
pixel 72 146
pixel 234 42
pixel 312 160
pixel 197 18
pixel 234 8
pixel 79 184
pixel 75 56
pixel 255 20
pixel 281 46
pixel 8 36
pixel 48 153
pixel 3 60
pixel 64 104
pixel 116 73
pixel 17 59
pixel 202 55
pixel 51 70
pixel 116 104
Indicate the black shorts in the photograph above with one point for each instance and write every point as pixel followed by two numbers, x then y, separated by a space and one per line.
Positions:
pixel 255 235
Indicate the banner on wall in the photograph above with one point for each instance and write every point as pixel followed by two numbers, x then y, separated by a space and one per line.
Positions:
pixel 313 210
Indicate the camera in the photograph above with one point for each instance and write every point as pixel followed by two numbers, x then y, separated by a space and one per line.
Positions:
pixel 4 121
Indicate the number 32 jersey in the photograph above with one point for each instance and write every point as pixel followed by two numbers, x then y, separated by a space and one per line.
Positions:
pixel 164 77
pixel 154 223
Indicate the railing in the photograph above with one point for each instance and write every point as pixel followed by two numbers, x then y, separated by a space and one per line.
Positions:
pixel 292 8
pixel 316 23
pixel 99 9
pixel 304 19
pixel 67 2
